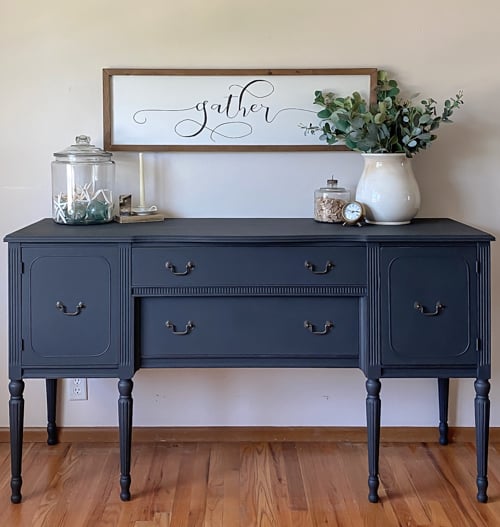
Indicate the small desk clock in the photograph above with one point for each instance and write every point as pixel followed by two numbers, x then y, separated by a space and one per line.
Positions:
pixel 353 213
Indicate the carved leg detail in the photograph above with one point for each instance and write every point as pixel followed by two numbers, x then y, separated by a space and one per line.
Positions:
pixel 51 389
pixel 444 393
pixel 482 414
pixel 125 422
pixel 373 428
pixel 16 418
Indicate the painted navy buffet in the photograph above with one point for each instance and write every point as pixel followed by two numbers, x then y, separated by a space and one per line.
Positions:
pixel 410 301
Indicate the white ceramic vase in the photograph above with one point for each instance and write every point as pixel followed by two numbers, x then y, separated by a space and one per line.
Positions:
pixel 388 189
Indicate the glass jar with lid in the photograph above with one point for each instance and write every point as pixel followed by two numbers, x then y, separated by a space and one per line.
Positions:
pixel 328 202
pixel 83 178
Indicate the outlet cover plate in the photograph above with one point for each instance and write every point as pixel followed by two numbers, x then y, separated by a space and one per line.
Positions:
pixel 77 389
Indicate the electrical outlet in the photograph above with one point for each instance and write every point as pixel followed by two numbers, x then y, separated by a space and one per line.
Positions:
pixel 77 389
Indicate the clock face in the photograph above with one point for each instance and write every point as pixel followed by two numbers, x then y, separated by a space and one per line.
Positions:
pixel 353 211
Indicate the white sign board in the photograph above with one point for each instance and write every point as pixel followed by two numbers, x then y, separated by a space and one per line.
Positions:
pixel 220 109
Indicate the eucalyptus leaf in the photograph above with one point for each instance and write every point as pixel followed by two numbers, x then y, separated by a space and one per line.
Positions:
pixel 357 122
pixel 324 114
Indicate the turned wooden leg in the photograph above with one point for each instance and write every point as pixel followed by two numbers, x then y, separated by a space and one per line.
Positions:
pixel 125 423
pixel 444 394
pixel 482 414
pixel 373 427
pixel 51 390
pixel 16 419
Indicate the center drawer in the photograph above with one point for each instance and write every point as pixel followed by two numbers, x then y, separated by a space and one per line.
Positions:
pixel 216 265
pixel 248 327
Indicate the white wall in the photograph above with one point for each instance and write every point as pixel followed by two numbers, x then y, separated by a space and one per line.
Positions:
pixel 51 57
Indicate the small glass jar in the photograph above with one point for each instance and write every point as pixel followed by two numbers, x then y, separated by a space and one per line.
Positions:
pixel 328 202
pixel 83 178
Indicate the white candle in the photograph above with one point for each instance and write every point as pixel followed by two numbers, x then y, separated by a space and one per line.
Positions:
pixel 142 203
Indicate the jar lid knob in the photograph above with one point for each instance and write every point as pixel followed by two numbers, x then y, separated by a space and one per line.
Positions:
pixel 332 182
pixel 85 139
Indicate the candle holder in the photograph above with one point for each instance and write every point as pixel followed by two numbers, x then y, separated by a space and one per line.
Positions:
pixel 142 212
pixel 142 208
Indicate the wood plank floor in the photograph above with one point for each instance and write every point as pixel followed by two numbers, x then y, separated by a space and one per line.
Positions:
pixel 250 484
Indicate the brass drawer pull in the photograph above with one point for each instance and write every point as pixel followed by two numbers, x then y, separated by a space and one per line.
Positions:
pixel 309 325
pixel 171 326
pixel 311 267
pixel 62 308
pixel 419 307
pixel 171 267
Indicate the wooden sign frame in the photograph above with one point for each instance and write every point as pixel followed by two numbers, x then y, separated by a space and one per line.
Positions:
pixel 221 109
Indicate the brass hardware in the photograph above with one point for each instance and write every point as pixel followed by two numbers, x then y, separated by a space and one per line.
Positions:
pixel 62 308
pixel 189 327
pixel 419 307
pixel 308 265
pixel 171 267
pixel 308 325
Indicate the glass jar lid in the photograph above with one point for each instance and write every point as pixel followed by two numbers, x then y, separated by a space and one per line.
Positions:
pixel 331 186
pixel 83 151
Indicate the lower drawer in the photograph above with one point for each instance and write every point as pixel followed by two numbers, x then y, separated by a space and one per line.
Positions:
pixel 248 327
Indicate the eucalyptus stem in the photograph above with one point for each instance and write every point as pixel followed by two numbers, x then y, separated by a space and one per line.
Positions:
pixel 391 125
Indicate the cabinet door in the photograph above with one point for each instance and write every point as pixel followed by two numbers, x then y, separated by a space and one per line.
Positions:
pixel 70 304
pixel 428 306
